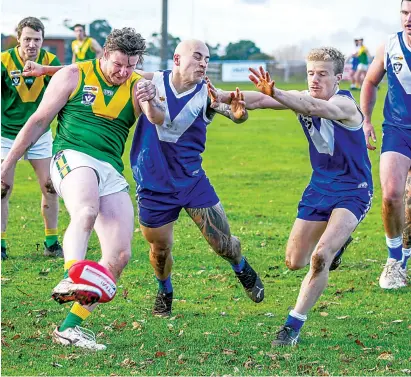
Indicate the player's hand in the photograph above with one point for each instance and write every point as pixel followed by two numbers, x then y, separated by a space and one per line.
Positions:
pixel 213 94
pixel 5 183
pixel 262 81
pixel 146 91
pixel 237 105
pixel 32 69
pixel 369 131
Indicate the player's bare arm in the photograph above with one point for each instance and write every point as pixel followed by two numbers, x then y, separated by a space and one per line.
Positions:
pixel 97 48
pixel 337 108
pixel 406 234
pixel 146 75
pixel 33 69
pixel 55 97
pixel 368 95
pixel 146 101
pixel 213 224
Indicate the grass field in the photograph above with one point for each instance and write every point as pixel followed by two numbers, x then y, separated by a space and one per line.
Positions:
pixel 259 170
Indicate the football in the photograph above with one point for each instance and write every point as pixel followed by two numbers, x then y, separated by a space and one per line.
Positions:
pixel 94 274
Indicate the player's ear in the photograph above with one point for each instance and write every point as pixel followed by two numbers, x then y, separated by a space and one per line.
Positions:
pixel 105 54
pixel 339 77
pixel 176 59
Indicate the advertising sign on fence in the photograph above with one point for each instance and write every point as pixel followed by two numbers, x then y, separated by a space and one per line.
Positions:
pixel 238 71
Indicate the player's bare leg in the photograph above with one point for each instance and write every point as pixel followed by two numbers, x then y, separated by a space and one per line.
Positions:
pixel 80 192
pixel 339 228
pixel 213 224
pixel 161 243
pixel 5 195
pixel 394 168
pixel 49 206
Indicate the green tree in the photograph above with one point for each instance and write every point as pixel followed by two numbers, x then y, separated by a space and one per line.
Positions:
pixel 154 46
pixel 244 50
pixel 214 51
pixel 99 30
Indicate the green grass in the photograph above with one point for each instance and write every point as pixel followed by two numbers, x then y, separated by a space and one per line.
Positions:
pixel 259 170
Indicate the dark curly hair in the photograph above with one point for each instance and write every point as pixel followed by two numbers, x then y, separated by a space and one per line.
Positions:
pixel 127 41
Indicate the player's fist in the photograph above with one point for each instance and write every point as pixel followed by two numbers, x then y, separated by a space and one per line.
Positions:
pixel 33 69
pixel 145 90
pixel 369 132
pixel 262 81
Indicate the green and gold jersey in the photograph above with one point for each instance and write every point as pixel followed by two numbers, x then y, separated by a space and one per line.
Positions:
pixel 363 55
pixel 97 117
pixel 20 96
pixel 82 50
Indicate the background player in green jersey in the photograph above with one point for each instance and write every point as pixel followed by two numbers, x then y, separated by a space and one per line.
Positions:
pixel 97 103
pixel 20 97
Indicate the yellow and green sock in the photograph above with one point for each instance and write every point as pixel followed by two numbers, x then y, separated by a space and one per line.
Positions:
pixel 76 317
pixel 51 236
pixel 67 265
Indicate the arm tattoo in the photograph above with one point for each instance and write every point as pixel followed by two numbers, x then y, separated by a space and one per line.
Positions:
pixel 225 110
pixel 406 235
pixel 157 104
pixel 213 224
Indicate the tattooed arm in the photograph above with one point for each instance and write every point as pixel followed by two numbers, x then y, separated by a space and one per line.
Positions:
pixel 235 111
pixel 146 101
pixel 62 84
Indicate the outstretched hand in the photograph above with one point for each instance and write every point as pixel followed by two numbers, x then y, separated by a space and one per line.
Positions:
pixel 213 94
pixel 32 69
pixel 146 90
pixel 237 105
pixel 262 81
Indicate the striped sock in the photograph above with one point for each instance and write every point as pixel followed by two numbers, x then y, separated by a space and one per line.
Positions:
pixel 67 265
pixel 3 239
pixel 76 317
pixel 295 320
pixel 406 254
pixel 394 247
pixel 51 236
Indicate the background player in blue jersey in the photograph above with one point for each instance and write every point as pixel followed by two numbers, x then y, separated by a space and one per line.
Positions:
pixel 393 58
pixel 166 162
pixel 340 190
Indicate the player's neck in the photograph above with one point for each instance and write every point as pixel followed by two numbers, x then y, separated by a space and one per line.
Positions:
pixel 180 85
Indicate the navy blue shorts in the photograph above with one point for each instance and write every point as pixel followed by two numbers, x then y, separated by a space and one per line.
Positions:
pixel 396 139
pixel 315 206
pixel 157 209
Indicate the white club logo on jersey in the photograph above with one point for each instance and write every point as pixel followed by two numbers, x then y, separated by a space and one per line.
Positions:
pixel 397 67
pixel 15 77
pixel 88 99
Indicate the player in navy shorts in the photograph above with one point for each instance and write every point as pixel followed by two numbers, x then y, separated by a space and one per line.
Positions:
pixel 394 59
pixel 166 163
pixel 340 190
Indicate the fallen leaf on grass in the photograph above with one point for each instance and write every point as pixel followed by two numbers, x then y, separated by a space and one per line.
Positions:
pixel 343 317
pixel 323 314
pixel 397 321
pixel 385 356
pixel 159 354
pixel 227 351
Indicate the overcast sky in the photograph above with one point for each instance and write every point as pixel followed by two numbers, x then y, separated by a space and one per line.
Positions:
pixel 271 24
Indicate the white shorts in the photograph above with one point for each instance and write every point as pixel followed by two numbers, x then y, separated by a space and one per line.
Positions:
pixel 39 151
pixel 110 180
pixel 362 67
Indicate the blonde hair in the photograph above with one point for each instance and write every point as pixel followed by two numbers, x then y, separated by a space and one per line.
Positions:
pixel 328 54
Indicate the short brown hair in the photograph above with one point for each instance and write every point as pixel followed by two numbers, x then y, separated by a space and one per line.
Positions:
pixel 31 22
pixel 328 54
pixel 127 41
pixel 79 25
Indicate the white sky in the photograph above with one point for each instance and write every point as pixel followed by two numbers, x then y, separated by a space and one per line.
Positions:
pixel 271 24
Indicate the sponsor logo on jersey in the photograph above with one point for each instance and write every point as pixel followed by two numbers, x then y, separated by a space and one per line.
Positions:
pixel 397 57
pixel 88 98
pixel 397 67
pixel 29 80
pixel 108 92
pixel 363 185
pixel 90 88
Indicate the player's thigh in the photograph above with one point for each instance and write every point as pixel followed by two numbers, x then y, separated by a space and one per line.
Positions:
pixel 303 238
pixel 115 222
pixel 394 169
pixel 161 237
pixel 79 189
pixel 339 228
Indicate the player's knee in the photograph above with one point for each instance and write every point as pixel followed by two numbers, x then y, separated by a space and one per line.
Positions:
pixel 392 197
pixel 161 250
pixel 318 261
pixel 49 187
pixel 87 216
pixel 293 263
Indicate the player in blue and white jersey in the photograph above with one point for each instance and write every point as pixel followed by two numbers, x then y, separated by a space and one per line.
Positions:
pixel 340 190
pixel 166 163
pixel 394 59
